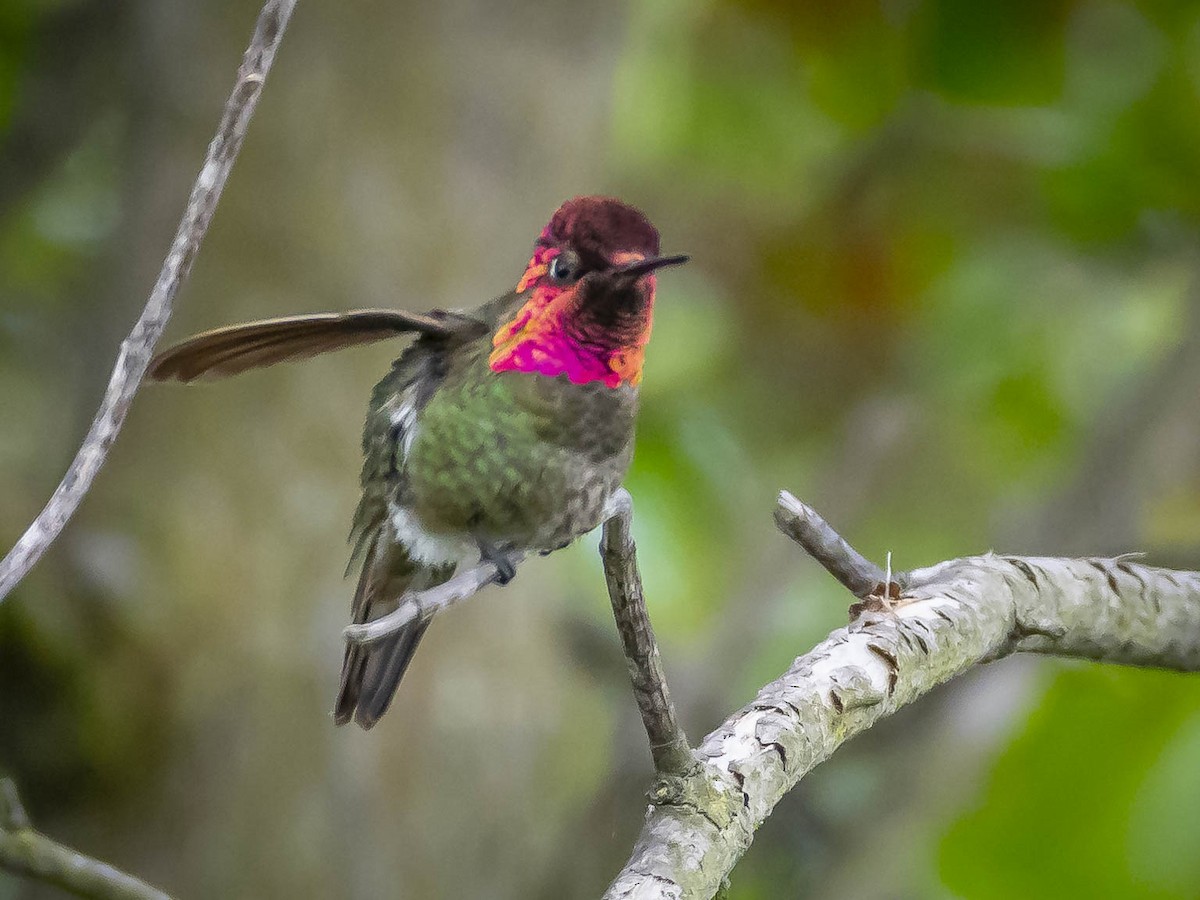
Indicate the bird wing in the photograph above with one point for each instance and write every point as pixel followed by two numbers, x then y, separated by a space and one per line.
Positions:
pixel 237 348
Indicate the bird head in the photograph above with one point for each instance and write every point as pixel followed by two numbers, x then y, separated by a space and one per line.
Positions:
pixel 589 296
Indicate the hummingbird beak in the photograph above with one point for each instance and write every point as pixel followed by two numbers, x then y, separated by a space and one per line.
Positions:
pixel 635 270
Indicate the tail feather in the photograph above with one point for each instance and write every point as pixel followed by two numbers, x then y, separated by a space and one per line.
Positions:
pixel 382 673
pixel 372 672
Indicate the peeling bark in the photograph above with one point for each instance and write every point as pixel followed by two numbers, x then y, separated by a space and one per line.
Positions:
pixel 948 618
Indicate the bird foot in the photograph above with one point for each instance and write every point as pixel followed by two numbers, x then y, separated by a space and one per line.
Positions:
pixel 506 569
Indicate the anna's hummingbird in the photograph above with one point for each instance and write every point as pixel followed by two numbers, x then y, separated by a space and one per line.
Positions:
pixel 502 429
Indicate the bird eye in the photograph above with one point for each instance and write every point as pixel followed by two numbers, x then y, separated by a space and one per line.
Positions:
pixel 564 268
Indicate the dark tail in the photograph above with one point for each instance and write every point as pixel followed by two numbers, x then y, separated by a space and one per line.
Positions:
pixel 372 672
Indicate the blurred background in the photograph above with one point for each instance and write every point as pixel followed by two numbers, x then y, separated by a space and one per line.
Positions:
pixel 945 288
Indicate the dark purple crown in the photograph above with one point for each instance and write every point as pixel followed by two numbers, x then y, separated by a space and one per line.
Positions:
pixel 600 227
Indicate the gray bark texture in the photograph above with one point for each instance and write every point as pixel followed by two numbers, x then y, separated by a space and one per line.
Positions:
pixel 668 743
pixel 908 637
pixel 138 347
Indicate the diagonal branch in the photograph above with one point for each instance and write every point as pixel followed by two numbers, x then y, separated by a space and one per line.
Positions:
pixel 805 526
pixel 422 604
pixel 668 743
pixel 138 347
pixel 24 851
pixel 949 618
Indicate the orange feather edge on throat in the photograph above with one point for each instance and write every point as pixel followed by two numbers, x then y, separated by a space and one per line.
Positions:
pixel 538 340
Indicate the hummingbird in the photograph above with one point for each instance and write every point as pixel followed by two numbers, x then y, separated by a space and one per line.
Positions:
pixel 499 430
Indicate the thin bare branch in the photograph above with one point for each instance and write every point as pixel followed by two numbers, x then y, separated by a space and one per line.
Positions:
pixel 138 347
pixel 29 853
pixel 668 743
pixel 805 526
pixel 949 618
pixel 422 604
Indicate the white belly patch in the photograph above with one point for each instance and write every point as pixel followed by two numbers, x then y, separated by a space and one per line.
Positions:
pixel 427 547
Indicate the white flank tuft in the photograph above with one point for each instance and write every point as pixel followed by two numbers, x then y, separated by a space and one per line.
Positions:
pixel 425 546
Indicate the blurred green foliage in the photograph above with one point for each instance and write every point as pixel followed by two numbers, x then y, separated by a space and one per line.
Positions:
pixel 944 288
pixel 1096 817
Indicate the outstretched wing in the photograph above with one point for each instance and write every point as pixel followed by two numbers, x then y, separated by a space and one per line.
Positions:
pixel 236 348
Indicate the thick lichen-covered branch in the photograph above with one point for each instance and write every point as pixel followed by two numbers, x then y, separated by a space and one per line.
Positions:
pixel 137 349
pixel 948 618
pixel 29 853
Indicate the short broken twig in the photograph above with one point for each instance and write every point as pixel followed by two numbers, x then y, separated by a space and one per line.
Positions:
pixel 668 743
pixel 29 853
pixel 138 347
pixel 422 604
pixel 804 525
